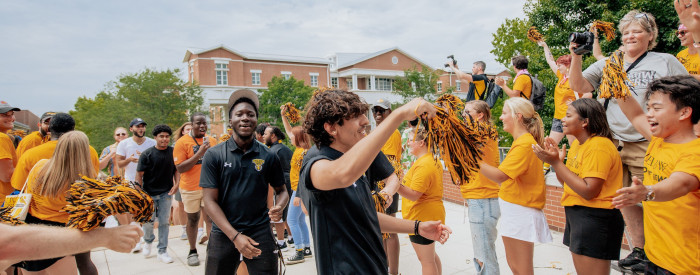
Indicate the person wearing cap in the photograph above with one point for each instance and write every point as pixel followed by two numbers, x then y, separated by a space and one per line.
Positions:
pixel 235 179
pixel 8 155
pixel 689 56
pixel 60 124
pixel 392 149
pixel 36 138
pixel 188 153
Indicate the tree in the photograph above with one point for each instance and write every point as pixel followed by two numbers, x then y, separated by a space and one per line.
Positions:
pixel 421 83
pixel 280 91
pixel 158 97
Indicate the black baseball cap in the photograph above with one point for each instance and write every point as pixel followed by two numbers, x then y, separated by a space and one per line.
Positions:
pixel 137 121
pixel 5 107
pixel 47 115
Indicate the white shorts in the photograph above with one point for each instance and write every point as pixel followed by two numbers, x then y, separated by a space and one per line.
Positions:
pixel 523 223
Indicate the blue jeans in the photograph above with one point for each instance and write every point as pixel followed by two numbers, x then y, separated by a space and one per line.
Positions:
pixel 162 203
pixel 297 223
pixel 483 217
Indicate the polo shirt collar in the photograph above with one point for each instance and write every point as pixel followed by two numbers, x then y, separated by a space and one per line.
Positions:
pixel 234 146
pixel 330 152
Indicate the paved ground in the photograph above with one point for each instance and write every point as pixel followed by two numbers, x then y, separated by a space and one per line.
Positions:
pixel 456 255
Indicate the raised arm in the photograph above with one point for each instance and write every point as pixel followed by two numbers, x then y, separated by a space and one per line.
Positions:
pixel 597 51
pixel 576 80
pixel 460 74
pixel 287 126
pixel 502 83
pixel 344 171
pixel 548 56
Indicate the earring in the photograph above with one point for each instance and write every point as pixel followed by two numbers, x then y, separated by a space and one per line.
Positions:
pixel 333 133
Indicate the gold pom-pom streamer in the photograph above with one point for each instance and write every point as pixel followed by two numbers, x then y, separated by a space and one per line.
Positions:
pixel 614 82
pixel 224 137
pixel 606 28
pixel 90 201
pixel 534 35
pixel 6 218
pixel 292 113
pixel 457 142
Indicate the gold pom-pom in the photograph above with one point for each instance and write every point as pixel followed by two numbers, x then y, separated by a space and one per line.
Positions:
pixel 292 113
pixel 534 35
pixel 606 27
pixel 614 82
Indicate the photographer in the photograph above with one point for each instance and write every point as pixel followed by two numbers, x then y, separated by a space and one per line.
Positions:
pixel 477 80
pixel 639 34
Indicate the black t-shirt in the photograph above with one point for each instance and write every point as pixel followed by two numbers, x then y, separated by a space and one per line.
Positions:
pixel 344 223
pixel 158 170
pixel 285 156
pixel 477 93
pixel 242 179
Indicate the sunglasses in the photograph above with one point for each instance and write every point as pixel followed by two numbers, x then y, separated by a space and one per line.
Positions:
pixel 120 134
pixel 379 111
pixel 640 15
pixel 681 33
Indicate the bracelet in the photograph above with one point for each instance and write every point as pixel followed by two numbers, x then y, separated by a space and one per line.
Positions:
pixel 236 236
pixel 415 228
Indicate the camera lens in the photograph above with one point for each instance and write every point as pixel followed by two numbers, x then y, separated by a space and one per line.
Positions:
pixel 579 37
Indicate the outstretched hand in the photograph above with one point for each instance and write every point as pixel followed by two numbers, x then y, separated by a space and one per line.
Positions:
pixel 689 14
pixel 632 195
pixel 417 107
pixel 435 230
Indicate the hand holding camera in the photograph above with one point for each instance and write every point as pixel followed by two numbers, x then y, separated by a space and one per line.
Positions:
pixel 582 42
pixel 452 61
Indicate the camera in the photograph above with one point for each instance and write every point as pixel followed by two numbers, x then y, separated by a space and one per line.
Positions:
pixel 452 56
pixel 584 41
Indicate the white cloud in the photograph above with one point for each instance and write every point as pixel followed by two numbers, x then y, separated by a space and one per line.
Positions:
pixel 55 52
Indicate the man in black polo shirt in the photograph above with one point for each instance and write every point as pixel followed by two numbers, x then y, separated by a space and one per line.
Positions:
pixel 235 178
pixel 157 175
pixel 477 80
pixel 273 138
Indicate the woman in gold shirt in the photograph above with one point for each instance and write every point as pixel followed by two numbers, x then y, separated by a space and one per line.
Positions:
pixel 592 174
pixel 48 183
pixel 421 200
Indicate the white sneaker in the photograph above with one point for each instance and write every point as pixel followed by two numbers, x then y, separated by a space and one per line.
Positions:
pixel 184 234
pixel 200 234
pixel 137 248
pixel 164 257
pixel 146 250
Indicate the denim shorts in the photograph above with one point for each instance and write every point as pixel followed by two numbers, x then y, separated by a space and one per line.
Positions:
pixel 556 125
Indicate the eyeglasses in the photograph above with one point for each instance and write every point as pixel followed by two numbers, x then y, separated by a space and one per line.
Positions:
pixel 681 33
pixel 640 15
pixel 120 134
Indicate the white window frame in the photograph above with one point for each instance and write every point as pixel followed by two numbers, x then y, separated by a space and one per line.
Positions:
pixel 459 85
pixel 253 73
pixel 334 82
pixel 384 84
pixel 348 81
pixel 286 74
pixel 314 79
pixel 221 67
pixel 439 86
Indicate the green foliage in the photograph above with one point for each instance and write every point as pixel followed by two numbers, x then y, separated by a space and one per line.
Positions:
pixel 424 81
pixel 280 91
pixel 158 97
pixel 556 19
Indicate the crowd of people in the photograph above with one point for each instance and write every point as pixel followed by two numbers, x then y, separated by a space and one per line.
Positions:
pixel 633 167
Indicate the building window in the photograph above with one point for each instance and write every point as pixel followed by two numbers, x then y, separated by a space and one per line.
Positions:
pixel 192 73
pixel 255 76
pixel 286 75
pixel 334 82
pixel 384 84
pixel 459 85
pixel 349 82
pixel 222 74
pixel 314 79
pixel 439 87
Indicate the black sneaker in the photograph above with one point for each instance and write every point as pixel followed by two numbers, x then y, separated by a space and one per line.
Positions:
pixel 283 247
pixel 307 252
pixel 637 256
pixel 290 242
pixel 298 257
pixel 639 267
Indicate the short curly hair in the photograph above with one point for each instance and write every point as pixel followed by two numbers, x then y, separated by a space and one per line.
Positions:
pixel 330 106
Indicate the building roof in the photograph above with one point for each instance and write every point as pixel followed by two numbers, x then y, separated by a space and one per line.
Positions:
pixel 258 56
pixel 349 59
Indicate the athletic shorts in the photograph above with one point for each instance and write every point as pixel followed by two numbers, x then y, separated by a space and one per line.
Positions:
pixel 556 125
pixel 39 265
pixel 192 200
pixel 594 232
pixel 177 196
pixel 420 240
pixel 394 207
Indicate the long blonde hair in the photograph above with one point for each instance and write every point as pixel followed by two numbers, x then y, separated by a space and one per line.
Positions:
pixel 70 159
pixel 530 119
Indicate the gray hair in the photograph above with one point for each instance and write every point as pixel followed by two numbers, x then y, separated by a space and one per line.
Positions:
pixel 644 19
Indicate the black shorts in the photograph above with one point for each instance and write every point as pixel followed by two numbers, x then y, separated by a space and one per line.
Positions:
pixel 39 265
pixel 420 240
pixel 594 232
pixel 224 258
pixel 394 207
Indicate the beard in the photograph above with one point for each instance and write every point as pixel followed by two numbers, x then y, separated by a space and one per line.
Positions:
pixel 138 135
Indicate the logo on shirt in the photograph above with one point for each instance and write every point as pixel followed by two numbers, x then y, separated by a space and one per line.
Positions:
pixel 227 164
pixel 258 164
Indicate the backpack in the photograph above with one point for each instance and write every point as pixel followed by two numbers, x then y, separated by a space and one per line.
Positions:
pixel 538 91
pixel 493 93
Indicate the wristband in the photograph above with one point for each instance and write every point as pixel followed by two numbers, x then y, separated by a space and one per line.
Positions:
pixel 236 236
pixel 415 228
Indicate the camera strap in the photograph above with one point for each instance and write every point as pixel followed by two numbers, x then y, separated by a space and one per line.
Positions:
pixel 607 100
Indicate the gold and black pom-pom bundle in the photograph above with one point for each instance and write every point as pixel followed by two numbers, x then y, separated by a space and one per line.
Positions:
pixel 224 137
pixel 606 28
pixel 292 113
pixel 614 82
pixel 457 142
pixel 534 35
pixel 6 218
pixel 90 201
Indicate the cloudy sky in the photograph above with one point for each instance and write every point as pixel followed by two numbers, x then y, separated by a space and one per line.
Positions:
pixel 57 51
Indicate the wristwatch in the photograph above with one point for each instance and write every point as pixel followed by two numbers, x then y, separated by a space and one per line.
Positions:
pixel 650 193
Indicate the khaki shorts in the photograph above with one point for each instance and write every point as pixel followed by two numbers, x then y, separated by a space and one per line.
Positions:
pixel 632 156
pixel 192 200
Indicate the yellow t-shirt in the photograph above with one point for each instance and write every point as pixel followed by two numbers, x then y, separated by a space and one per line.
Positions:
pixel 45 208
pixel 690 62
pixel 30 141
pixel 672 228
pixel 392 147
pixel 425 176
pixel 596 158
pixel 295 166
pixel 7 151
pixel 525 185
pixel 523 83
pixel 562 94
pixel 479 186
pixel 184 150
pixel 34 155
